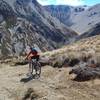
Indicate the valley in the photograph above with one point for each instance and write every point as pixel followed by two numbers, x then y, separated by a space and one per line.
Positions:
pixel 66 37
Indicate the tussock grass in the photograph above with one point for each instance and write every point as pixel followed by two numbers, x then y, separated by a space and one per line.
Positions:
pixel 82 50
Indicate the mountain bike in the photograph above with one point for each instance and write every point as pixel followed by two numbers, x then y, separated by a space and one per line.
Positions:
pixel 36 66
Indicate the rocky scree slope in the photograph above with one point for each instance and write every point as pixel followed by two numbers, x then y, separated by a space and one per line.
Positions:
pixel 25 22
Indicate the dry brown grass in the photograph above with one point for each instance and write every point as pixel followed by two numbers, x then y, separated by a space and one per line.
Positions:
pixel 85 48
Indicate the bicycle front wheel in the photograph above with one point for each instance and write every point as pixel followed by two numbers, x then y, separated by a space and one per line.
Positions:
pixel 37 68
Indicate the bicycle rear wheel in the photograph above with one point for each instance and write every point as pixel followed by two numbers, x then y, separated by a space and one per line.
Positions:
pixel 37 68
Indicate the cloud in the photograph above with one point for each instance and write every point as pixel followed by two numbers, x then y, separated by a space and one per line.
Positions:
pixel 62 2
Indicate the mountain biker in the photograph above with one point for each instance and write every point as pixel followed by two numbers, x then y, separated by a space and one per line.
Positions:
pixel 32 55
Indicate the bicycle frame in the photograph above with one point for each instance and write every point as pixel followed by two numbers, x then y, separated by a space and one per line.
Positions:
pixel 36 66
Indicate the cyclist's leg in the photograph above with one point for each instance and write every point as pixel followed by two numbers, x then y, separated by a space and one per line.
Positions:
pixel 35 66
pixel 38 68
pixel 30 66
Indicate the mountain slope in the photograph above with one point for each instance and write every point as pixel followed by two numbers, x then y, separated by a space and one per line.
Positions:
pixel 91 32
pixel 60 12
pixel 87 48
pixel 80 19
pixel 65 13
pixel 86 20
pixel 24 23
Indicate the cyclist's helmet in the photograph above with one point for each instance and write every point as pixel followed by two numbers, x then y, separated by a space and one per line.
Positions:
pixel 33 49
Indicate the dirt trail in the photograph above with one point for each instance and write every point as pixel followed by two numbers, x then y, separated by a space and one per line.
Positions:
pixel 54 84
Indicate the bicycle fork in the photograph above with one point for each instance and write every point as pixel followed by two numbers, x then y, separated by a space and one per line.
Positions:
pixel 30 67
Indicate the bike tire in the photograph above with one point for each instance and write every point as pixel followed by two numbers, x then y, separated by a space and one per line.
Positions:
pixel 37 68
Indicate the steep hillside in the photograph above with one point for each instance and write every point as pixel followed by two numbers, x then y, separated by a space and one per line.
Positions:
pixel 88 48
pixel 65 13
pixel 25 23
pixel 91 32
pixel 80 19
pixel 60 12
pixel 86 20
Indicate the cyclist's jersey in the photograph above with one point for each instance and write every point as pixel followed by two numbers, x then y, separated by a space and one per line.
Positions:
pixel 32 54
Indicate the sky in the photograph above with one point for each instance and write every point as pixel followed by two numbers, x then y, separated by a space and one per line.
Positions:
pixel 69 2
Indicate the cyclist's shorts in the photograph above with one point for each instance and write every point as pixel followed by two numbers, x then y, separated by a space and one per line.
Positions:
pixel 35 57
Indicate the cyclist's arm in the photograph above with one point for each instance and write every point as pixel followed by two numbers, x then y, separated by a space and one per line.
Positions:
pixel 28 55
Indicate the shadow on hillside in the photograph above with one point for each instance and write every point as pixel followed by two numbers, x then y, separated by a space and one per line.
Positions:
pixel 20 63
pixel 27 79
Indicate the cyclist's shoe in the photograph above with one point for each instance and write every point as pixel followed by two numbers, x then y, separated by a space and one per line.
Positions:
pixel 37 76
pixel 29 74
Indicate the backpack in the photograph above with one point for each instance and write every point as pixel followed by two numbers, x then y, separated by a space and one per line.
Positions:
pixel 34 50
